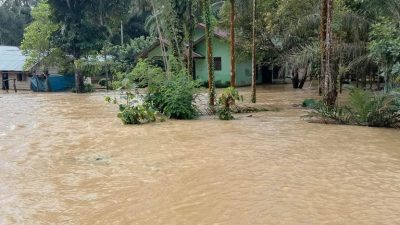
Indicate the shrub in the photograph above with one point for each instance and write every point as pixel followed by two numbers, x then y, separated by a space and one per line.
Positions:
pixel 325 111
pixel 145 73
pixel 366 109
pixel 88 88
pixel 137 114
pixel 134 111
pixel 228 98
pixel 381 110
pixel 310 103
pixel 173 96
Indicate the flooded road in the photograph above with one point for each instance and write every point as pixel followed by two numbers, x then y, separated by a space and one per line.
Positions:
pixel 67 159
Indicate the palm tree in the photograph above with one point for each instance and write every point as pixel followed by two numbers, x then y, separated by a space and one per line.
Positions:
pixel 190 30
pixel 329 77
pixel 160 34
pixel 253 82
pixel 322 44
pixel 210 59
pixel 232 29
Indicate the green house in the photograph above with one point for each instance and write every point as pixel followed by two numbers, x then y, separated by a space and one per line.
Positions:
pixel 222 64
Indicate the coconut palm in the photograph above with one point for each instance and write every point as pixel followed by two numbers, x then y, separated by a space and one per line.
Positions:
pixel 232 43
pixel 329 77
pixel 253 80
pixel 210 59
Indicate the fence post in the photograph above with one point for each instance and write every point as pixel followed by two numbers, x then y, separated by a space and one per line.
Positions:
pixel 15 86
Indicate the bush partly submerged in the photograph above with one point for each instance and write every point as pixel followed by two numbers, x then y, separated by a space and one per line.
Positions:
pixel 168 94
pixel 365 109
pixel 228 99
pixel 173 95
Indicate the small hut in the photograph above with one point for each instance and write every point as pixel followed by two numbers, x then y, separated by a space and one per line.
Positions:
pixel 12 69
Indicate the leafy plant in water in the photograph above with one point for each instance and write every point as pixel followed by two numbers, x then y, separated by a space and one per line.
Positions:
pixel 228 99
pixel 335 113
pixel 173 94
pixel 366 109
pixel 380 110
pixel 134 110
pixel 137 114
pixel 310 103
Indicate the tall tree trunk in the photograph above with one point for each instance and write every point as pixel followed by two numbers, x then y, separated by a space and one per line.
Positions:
pixel 371 80
pixel 388 83
pixel 79 86
pixel 364 81
pixel 107 70
pixel 322 45
pixel 295 79
pixel 254 60
pixel 304 74
pixel 190 30
pixel 233 60
pixel 210 59
pixel 160 37
pixel 330 80
pixel 378 83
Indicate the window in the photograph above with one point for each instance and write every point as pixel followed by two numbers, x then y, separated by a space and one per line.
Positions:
pixel 217 64
pixel 19 77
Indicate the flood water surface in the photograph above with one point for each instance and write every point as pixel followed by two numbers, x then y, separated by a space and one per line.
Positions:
pixel 67 159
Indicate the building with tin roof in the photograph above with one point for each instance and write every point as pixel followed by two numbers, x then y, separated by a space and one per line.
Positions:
pixel 12 68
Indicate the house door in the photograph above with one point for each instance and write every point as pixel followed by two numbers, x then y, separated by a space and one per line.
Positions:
pixel 266 75
pixel 5 83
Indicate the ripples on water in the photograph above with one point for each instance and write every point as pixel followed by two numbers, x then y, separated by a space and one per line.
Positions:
pixel 66 159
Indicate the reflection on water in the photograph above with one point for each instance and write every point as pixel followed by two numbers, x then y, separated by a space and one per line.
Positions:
pixel 66 159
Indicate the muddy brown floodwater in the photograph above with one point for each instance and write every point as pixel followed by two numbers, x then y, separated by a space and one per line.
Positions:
pixel 66 159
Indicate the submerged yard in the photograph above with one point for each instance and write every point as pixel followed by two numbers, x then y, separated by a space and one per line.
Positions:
pixel 67 159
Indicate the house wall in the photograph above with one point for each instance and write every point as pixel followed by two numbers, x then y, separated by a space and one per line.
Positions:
pixel 221 48
pixel 243 72
pixel 39 70
pixel 198 33
pixel 21 85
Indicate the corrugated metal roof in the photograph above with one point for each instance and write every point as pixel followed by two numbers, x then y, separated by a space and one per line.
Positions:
pixel 11 59
pixel 217 31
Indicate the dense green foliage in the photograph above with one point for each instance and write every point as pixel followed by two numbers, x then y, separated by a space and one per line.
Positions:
pixel 132 108
pixel 133 112
pixel 364 108
pixel 380 110
pixel 173 95
pixel 102 37
pixel 385 50
pixel 14 16
pixel 137 114
pixel 36 43
pixel 309 103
